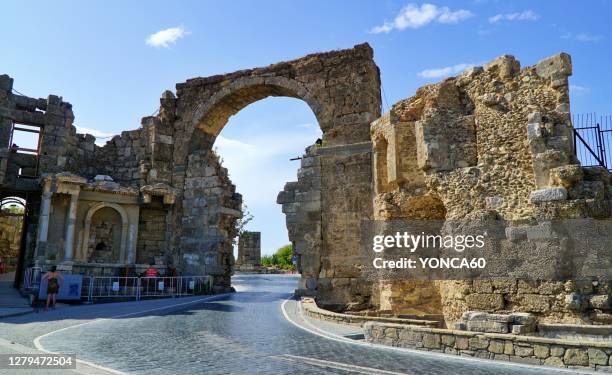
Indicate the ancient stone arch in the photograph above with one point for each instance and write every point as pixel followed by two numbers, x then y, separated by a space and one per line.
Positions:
pixel 212 115
pixel 124 227
pixel 342 88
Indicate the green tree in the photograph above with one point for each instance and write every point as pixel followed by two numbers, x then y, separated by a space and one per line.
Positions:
pixel 14 209
pixel 285 255
pixel 267 261
pixel 282 258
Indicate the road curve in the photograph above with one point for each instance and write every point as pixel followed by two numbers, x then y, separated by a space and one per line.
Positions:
pixel 243 333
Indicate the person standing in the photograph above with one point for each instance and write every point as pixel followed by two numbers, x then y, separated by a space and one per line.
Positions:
pixel 53 285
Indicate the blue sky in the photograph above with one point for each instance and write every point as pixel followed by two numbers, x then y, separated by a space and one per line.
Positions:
pixel 96 55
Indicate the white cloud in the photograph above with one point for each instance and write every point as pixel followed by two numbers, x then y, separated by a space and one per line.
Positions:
pixel 445 71
pixel 579 90
pixel 528 15
pixel 446 16
pixel 232 144
pixel 260 168
pixel 412 16
pixel 582 37
pixel 164 38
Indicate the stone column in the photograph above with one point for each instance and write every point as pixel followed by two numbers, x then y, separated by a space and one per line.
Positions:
pixel 43 224
pixel 70 224
pixel 131 243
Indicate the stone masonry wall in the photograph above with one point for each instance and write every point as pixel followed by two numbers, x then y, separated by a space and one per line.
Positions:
pixel 495 143
pixel 151 232
pixel 249 251
pixel 301 204
pixel 502 347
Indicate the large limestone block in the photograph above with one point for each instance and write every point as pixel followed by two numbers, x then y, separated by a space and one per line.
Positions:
pixel 488 302
pixel 548 195
pixel 555 67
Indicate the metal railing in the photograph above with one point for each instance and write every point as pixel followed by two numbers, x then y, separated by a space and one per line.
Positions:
pixel 137 288
pixel 593 140
pixel 99 287
pixel 31 278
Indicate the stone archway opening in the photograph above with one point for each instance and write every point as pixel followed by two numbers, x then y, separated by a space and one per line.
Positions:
pixel 261 147
pixel 18 212
pixel 12 215
pixel 214 196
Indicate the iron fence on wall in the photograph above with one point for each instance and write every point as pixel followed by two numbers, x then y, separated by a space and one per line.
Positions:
pixel 593 140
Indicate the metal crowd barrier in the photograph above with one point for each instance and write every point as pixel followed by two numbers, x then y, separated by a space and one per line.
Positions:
pixel 31 278
pixel 95 287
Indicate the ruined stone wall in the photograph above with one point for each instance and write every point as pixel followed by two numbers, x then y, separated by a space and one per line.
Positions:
pixel 249 251
pixel 346 182
pixel 210 208
pixel 301 204
pixel 58 136
pixel 144 155
pixel 495 143
pixel 121 158
pixel 152 232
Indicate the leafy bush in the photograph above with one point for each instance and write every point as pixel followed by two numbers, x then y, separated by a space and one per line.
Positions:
pixel 284 256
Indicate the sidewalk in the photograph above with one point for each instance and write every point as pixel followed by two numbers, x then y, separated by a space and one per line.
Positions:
pixel 11 302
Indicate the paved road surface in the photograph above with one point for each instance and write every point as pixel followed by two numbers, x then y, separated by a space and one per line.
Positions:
pixel 241 333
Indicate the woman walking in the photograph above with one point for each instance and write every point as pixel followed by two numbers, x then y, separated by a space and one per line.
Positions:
pixel 53 285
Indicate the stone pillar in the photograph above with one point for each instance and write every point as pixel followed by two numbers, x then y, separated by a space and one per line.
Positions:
pixel 43 223
pixel 131 243
pixel 249 251
pixel 70 224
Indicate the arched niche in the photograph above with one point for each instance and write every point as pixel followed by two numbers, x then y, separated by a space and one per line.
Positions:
pixel 124 225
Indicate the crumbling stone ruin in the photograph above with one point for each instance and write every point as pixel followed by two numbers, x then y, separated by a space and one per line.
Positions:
pixel 493 144
pixel 160 191
pixel 249 251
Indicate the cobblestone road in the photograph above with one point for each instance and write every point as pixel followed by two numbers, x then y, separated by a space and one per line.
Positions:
pixel 242 333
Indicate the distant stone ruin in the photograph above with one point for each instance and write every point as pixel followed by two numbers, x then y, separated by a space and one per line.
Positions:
pixel 249 252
